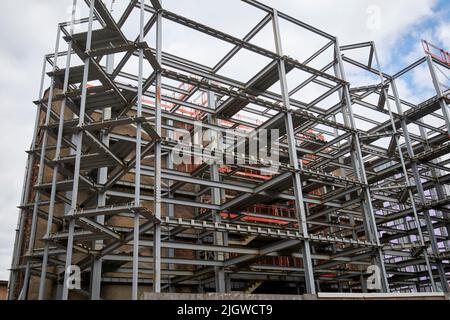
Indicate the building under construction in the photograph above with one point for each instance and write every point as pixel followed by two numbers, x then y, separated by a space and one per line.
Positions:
pixel 360 185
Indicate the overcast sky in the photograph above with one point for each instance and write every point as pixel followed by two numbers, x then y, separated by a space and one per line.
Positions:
pixel 29 30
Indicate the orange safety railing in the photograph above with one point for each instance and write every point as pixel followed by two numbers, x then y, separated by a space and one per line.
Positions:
pixel 435 52
pixel 276 211
pixel 283 261
pixel 271 211
pixel 249 173
pixel 228 215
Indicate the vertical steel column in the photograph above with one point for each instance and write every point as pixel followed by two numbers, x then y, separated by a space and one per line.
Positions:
pixel 25 194
pixel 79 143
pixel 354 159
pixel 405 171
pixel 446 115
pixel 299 203
pixel 41 170
pixel 157 182
pixel 97 263
pixel 343 173
pixel 439 93
pixel 420 191
pixel 170 206
pixel 435 173
pixel 363 282
pixel 360 172
pixel 216 200
pixel 137 190
pixel 51 209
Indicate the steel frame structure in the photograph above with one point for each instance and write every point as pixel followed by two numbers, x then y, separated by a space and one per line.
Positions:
pixel 101 191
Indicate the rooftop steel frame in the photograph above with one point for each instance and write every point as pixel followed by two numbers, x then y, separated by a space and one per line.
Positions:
pixel 101 191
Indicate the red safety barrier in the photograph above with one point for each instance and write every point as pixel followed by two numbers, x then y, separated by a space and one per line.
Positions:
pixel 435 52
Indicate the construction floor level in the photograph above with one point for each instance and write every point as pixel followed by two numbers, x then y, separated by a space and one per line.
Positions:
pixel 361 188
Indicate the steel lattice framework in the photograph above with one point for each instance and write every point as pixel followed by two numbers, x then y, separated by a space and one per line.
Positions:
pixel 101 190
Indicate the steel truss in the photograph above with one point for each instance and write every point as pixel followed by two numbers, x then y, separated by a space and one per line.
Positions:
pixel 101 190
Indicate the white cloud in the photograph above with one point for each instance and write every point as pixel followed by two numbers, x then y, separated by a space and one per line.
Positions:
pixel 443 32
pixel 349 19
pixel 422 80
pixel 29 32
